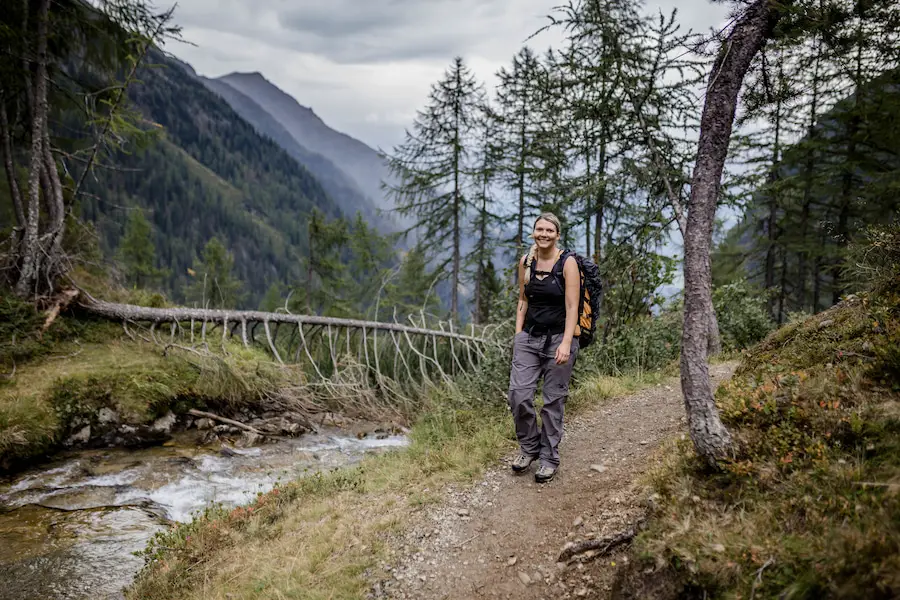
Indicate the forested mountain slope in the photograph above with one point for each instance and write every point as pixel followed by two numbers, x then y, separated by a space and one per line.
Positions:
pixel 345 192
pixel 209 174
pixel 360 162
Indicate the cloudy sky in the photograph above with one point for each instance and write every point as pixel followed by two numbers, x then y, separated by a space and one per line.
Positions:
pixel 366 66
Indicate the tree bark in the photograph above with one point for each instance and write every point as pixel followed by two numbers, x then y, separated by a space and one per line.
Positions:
pixel 30 246
pixel 711 439
pixel 10 167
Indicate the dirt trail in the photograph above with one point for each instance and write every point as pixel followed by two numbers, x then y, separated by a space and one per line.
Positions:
pixel 500 538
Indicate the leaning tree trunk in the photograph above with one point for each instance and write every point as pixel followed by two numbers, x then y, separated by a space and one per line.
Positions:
pixel 711 439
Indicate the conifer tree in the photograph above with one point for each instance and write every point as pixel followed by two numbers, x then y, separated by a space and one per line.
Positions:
pixel 432 167
pixel 214 285
pixel 137 252
pixel 487 160
pixel 516 110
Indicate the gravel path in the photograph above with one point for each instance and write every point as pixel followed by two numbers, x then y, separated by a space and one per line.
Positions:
pixel 500 538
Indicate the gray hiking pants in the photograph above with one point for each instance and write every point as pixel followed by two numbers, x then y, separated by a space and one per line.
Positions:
pixel 534 356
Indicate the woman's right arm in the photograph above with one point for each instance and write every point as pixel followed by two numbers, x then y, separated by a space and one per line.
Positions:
pixel 523 301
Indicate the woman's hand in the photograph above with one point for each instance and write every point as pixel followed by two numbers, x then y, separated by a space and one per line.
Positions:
pixel 563 352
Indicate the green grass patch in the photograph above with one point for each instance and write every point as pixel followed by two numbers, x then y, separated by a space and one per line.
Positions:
pixel 809 505
pixel 61 379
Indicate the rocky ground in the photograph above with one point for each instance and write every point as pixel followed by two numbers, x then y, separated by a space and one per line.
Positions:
pixel 502 537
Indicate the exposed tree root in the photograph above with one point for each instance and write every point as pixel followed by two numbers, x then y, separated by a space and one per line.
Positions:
pixel 604 545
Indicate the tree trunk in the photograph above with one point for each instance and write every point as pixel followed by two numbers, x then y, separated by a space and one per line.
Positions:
pixel 601 201
pixel 710 437
pixel 587 205
pixel 520 229
pixel 10 167
pixel 30 247
pixel 808 171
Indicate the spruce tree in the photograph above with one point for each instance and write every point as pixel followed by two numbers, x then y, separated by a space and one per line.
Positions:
pixel 214 285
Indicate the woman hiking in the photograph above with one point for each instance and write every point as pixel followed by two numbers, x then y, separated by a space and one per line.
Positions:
pixel 544 346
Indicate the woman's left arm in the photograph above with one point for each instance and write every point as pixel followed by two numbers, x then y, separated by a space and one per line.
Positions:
pixel 573 289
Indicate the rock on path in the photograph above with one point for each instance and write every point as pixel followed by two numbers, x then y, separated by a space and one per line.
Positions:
pixel 500 537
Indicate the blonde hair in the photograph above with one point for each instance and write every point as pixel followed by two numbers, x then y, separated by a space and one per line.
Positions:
pixel 532 252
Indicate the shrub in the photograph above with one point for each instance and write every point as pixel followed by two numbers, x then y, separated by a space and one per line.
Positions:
pixel 741 311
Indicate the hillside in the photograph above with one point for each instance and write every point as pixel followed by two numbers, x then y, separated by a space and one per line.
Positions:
pixel 209 174
pixel 360 162
pixel 345 192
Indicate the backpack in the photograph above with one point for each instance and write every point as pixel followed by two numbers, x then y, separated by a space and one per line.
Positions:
pixel 590 290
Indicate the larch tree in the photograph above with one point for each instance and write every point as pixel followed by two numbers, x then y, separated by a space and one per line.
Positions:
pixel 431 169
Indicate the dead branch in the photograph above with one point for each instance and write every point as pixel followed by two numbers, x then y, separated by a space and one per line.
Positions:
pixel 62 301
pixel 605 544
pixel 200 413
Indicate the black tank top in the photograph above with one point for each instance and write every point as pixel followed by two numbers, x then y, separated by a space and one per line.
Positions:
pixel 546 301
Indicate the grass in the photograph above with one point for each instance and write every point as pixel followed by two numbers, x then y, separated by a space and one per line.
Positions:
pixel 318 537
pixel 64 377
pixel 809 505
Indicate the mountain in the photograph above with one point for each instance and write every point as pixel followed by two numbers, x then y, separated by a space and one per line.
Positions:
pixel 360 162
pixel 345 192
pixel 209 173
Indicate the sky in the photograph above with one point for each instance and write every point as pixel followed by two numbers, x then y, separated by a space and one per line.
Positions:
pixel 366 66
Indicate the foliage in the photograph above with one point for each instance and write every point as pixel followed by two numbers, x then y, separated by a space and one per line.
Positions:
pixel 742 314
pixel 138 253
pixel 214 285
pixel 820 148
pixel 807 506
pixel 646 344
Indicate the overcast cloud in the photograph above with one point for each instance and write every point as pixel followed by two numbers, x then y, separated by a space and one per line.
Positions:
pixel 366 66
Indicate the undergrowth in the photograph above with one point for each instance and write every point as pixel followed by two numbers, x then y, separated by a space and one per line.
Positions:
pixel 808 507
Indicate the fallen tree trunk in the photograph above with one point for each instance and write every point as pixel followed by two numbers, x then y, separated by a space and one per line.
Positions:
pixel 129 312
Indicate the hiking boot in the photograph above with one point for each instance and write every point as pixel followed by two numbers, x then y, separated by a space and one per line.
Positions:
pixel 522 462
pixel 544 474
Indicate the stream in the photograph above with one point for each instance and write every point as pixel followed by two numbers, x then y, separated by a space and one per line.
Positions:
pixel 69 530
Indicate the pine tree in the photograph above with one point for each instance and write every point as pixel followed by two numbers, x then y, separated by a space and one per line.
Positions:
pixel 411 290
pixel 325 274
pixel 516 107
pixel 137 252
pixel 432 167
pixel 487 162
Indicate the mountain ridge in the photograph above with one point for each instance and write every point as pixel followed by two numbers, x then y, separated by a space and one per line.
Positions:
pixel 361 163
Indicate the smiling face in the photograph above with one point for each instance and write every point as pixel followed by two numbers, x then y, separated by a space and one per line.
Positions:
pixel 545 234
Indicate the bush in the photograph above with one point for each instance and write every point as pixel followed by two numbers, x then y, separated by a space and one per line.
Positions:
pixel 742 314
pixel 647 344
